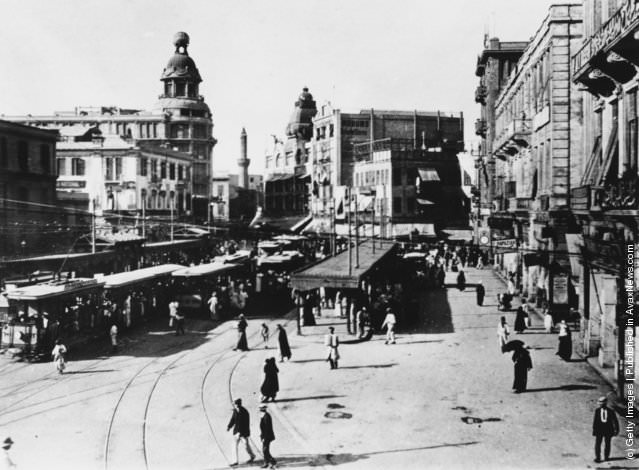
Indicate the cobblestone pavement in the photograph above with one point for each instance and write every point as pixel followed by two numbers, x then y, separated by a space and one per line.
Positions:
pixel 439 398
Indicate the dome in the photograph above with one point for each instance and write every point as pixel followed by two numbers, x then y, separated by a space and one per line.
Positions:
pixel 301 123
pixel 305 100
pixel 180 65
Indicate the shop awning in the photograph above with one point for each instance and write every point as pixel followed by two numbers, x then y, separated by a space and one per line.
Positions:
pixel 333 272
pixel 457 234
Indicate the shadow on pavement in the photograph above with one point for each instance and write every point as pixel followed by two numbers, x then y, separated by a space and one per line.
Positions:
pixel 318 397
pixel 433 314
pixel 372 366
pixel 93 371
pixel 319 460
pixel 563 388
pixel 301 361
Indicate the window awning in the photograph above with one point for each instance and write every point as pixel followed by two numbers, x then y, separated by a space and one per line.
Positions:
pixel 424 202
pixel 428 174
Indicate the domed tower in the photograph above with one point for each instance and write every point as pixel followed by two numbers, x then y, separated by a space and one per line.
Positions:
pixel 301 123
pixel 188 124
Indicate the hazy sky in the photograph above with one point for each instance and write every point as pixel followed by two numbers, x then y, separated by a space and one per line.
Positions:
pixel 254 56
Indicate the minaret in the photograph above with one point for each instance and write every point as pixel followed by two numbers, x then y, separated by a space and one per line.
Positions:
pixel 243 162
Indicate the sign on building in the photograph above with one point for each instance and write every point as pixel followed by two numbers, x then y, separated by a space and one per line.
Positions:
pixel 505 245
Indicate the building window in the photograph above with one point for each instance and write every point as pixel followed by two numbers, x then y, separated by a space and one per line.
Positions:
pixel 108 170
pixel 154 169
pixel 45 158
pixel 397 205
pixel 143 166
pixel 410 205
pixel 630 103
pixel 331 130
pixel 61 166
pixel 118 168
pixel 180 172
pixel 172 171
pixel 220 191
pixel 180 89
pixel 163 170
pixel 4 157
pixel 77 167
pixel 397 176
pixel 23 156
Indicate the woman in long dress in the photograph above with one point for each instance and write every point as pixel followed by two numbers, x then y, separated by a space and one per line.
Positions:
pixel 461 280
pixel 548 322
pixel 59 350
pixel 520 320
pixel 271 384
pixel 523 363
pixel 282 340
pixel 242 344
pixel 564 350
pixel 502 333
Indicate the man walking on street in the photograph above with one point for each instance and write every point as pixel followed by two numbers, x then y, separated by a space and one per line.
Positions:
pixel 240 423
pixel 481 293
pixel 267 436
pixel 7 463
pixel 331 341
pixel 604 426
pixel 389 323
pixel 114 338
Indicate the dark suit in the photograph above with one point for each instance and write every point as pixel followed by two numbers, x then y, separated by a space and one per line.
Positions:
pixel 267 435
pixel 604 430
pixel 240 422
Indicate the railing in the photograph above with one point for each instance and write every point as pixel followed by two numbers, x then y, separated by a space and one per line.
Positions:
pixel 580 199
pixel 480 94
pixel 517 132
pixel 480 128
pixel 622 195
pixel 544 203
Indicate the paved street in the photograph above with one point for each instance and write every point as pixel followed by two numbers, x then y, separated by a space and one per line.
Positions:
pixel 440 398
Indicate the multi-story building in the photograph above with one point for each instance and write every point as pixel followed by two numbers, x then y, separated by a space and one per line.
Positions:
pixel 341 140
pixel 537 149
pixel 494 66
pixel 112 174
pixel 286 188
pixel 605 200
pixel 179 120
pixel 29 221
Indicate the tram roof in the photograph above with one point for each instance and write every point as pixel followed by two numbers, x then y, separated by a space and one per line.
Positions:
pixel 53 289
pixel 139 275
pixel 205 269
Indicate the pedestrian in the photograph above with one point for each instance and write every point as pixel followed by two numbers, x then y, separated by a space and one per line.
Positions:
pixel 480 291
pixel 523 363
pixel 213 305
pixel 441 277
pixel 242 343
pixel 564 349
pixel 520 320
pixel 173 306
pixel 59 350
pixel 338 304
pixel 114 337
pixel 548 321
pixel 331 341
pixel 271 384
pixel 7 463
pixel 240 423
pixel 179 320
pixel 604 427
pixel 282 341
pixel 461 280
pixel 361 321
pixel 502 333
pixel 511 286
pixel 265 334
pixel 308 318
pixel 267 436
pixel 389 322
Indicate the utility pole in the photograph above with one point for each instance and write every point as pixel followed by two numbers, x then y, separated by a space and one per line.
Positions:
pixel 93 225
pixel 356 233
pixel 348 219
pixel 171 204
pixel 144 217
pixel 373 224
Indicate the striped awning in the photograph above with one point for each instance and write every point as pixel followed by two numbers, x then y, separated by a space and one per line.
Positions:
pixel 428 174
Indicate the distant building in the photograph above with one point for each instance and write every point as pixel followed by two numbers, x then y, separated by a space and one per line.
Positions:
pixel 29 221
pixel 384 150
pixel 180 120
pixel 286 188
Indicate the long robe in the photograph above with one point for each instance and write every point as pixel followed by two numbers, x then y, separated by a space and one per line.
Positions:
pixel 271 385
pixel 242 344
pixel 282 339
pixel 565 345
pixel 520 320
pixel 481 293
pixel 461 281
pixel 523 362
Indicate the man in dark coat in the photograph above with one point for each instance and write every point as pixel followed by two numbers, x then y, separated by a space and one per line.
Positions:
pixel 282 340
pixel 267 436
pixel 604 426
pixel 523 363
pixel 481 293
pixel 241 425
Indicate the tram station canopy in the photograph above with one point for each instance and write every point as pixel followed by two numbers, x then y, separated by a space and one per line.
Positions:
pixel 333 272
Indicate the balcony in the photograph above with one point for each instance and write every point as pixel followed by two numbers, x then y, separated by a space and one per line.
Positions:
pixel 580 198
pixel 513 137
pixel 620 197
pixel 480 94
pixel 481 128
